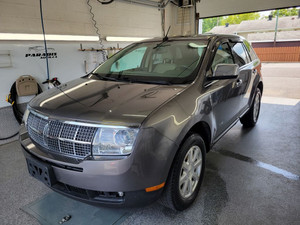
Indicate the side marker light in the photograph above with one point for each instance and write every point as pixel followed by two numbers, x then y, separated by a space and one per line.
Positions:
pixel 155 188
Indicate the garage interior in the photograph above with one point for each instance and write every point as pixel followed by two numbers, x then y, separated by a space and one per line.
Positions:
pixel 252 175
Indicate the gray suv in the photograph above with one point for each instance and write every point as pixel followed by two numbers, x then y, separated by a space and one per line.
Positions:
pixel 138 127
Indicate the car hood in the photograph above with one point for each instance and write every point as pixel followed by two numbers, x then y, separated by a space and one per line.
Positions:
pixel 105 102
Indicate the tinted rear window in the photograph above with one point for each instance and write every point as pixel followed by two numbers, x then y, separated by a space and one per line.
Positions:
pixel 250 50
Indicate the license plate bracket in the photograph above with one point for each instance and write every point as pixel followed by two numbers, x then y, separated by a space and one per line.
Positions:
pixel 41 171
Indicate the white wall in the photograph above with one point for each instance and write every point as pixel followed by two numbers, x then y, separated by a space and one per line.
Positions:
pixel 73 17
pixel 68 65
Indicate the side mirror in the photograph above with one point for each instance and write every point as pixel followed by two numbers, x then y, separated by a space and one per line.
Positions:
pixel 225 71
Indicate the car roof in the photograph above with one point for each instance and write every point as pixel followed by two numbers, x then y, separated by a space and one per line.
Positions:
pixel 206 36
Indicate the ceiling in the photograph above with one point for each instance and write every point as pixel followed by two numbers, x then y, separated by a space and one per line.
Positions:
pixel 212 8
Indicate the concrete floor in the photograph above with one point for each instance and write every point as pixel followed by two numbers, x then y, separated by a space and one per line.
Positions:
pixel 252 176
pixel 8 125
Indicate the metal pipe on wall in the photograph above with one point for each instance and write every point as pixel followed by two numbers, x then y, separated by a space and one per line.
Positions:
pixel 158 5
pixel 143 2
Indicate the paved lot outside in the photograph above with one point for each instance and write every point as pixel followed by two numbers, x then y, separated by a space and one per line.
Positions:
pixel 281 80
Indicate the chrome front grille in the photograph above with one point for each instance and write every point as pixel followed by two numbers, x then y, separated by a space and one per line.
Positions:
pixel 61 137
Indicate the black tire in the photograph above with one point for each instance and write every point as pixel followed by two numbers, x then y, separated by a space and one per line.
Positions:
pixel 251 117
pixel 172 196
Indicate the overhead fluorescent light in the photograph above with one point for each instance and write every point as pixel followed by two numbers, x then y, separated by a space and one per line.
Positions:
pixel 130 39
pixel 53 37
pixel 49 37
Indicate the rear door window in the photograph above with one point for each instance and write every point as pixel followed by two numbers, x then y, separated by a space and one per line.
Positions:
pixel 250 50
pixel 239 53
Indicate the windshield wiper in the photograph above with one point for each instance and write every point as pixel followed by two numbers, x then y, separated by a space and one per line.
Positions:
pixel 105 77
pixel 127 79
pixel 152 82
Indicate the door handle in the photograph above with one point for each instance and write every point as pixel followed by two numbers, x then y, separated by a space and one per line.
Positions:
pixel 239 82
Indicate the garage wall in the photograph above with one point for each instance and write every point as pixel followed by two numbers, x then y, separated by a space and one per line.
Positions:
pixel 72 17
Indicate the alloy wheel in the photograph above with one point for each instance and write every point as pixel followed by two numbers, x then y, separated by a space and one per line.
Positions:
pixel 190 172
pixel 256 106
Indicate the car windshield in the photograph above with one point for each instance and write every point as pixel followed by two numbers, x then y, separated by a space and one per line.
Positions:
pixel 170 62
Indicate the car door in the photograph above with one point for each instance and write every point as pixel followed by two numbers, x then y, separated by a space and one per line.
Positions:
pixel 224 92
pixel 255 67
pixel 241 57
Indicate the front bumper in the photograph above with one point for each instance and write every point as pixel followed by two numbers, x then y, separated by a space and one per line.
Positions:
pixel 43 171
pixel 102 181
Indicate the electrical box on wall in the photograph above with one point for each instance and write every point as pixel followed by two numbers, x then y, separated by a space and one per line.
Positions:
pixel 185 3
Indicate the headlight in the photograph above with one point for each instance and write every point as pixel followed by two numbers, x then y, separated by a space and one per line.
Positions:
pixel 114 141
pixel 25 116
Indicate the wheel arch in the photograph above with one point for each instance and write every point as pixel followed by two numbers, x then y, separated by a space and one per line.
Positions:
pixel 256 84
pixel 203 129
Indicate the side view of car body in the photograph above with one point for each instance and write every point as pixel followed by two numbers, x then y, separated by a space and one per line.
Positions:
pixel 139 126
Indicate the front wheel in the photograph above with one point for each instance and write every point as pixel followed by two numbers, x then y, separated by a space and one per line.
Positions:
pixel 186 174
pixel 251 117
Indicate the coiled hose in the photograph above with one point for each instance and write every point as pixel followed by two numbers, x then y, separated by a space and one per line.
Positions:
pixel 13 96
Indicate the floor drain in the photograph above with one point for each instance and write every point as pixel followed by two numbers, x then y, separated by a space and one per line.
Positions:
pixel 65 219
